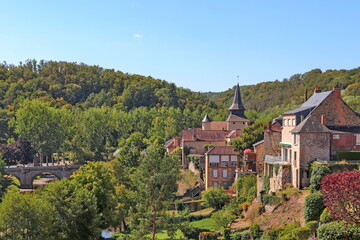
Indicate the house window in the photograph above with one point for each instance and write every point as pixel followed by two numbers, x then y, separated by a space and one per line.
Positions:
pixel 225 161
pixel 336 137
pixel 293 122
pixel 214 160
pixel 357 139
pixel 295 136
pixel 215 173
pixel 225 173
pixel 290 156
pixel 233 161
pixel 294 158
pixel 284 122
pixel 215 184
pixel 289 124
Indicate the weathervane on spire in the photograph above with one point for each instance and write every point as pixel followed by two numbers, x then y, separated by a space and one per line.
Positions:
pixel 238 79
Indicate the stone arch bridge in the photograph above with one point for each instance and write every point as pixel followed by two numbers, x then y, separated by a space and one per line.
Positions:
pixel 26 175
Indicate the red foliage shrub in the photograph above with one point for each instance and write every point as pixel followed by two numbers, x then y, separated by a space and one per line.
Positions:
pixel 341 192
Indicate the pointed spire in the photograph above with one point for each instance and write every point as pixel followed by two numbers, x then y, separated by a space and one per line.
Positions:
pixel 206 119
pixel 237 107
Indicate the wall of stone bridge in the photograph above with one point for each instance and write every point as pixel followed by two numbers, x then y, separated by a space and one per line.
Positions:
pixel 26 175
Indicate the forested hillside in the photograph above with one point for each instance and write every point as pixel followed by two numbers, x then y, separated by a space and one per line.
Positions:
pixel 289 92
pixel 90 110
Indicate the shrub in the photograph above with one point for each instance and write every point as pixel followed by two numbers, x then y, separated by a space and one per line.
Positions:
pixel 342 195
pixel 246 187
pixel 236 236
pixel 283 230
pixel 317 173
pixel 325 216
pixel 300 233
pixel 245 235
pixel 191 232
pixel 313 206
pixel 312 225
pixel 255 231
pixel 227 232
pixel 222 219
pixel 269 200
pixel 338 230
pixel 215 198
pixel 244 206
pixel 266 184
pixel 209 236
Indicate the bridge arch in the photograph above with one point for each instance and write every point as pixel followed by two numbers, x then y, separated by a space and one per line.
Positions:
pixel 26 175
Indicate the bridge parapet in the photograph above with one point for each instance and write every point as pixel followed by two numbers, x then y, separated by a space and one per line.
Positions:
pixel 26 175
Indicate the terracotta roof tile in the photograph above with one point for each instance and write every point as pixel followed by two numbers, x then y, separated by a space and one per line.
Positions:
pixel 222 150
pixel 197 134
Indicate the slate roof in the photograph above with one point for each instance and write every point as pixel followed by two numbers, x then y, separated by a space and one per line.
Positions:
pixel 237 102
pixel 315 100
pixel 197 134
pixel 207 119
pixel 222 150
pixel 310 124
pixel 344 129
pixel 234 118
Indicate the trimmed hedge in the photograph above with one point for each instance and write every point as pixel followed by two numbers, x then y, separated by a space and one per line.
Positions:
pixel 325 216
pixel 314 205
pixel 347 155
pixel 338 230
pixel 318 171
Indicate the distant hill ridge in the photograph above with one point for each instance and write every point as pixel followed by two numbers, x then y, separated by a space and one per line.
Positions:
pixel 92 86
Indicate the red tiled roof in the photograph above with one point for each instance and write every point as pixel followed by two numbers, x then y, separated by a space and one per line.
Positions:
pixel 197 134
pixel 222 150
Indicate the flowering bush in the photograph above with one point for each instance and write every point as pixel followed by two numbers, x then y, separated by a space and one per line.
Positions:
pixel 342 195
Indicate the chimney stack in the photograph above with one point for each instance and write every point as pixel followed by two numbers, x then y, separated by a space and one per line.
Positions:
pixel 322 119
pixel 317 90
pixel 337 91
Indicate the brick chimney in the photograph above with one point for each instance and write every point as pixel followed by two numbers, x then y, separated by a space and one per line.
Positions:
pixel 317 90
pixel 337 91
pixel 322 119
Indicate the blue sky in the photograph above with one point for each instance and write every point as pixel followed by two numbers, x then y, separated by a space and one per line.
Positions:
pixel 197 44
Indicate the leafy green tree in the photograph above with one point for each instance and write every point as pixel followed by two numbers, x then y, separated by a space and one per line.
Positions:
pixel 155 186
pixel 317 173
pixel 5 181
pixel 250 135
pixel 215 198
pixel 75 210
pixel 246 187
pixel 221 219
pixel 99 179
pixel 41 125
pixel 26 217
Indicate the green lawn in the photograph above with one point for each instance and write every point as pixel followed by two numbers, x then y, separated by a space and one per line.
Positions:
pixel 204 223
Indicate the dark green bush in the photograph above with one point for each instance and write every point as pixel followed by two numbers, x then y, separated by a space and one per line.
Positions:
pixel 246 187
pixel 325 216
pixel 317 173
pixel 269 200
pixel 347 155
pixel 314 205
pixel 227 232
pixel 255 231
pixel 338 230
pixel 245 235
pixel 300 233
pixel 276 233
pixel 236 236
pixel 191 232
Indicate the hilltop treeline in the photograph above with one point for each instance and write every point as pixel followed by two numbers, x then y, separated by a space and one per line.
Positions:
pixel 292 91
